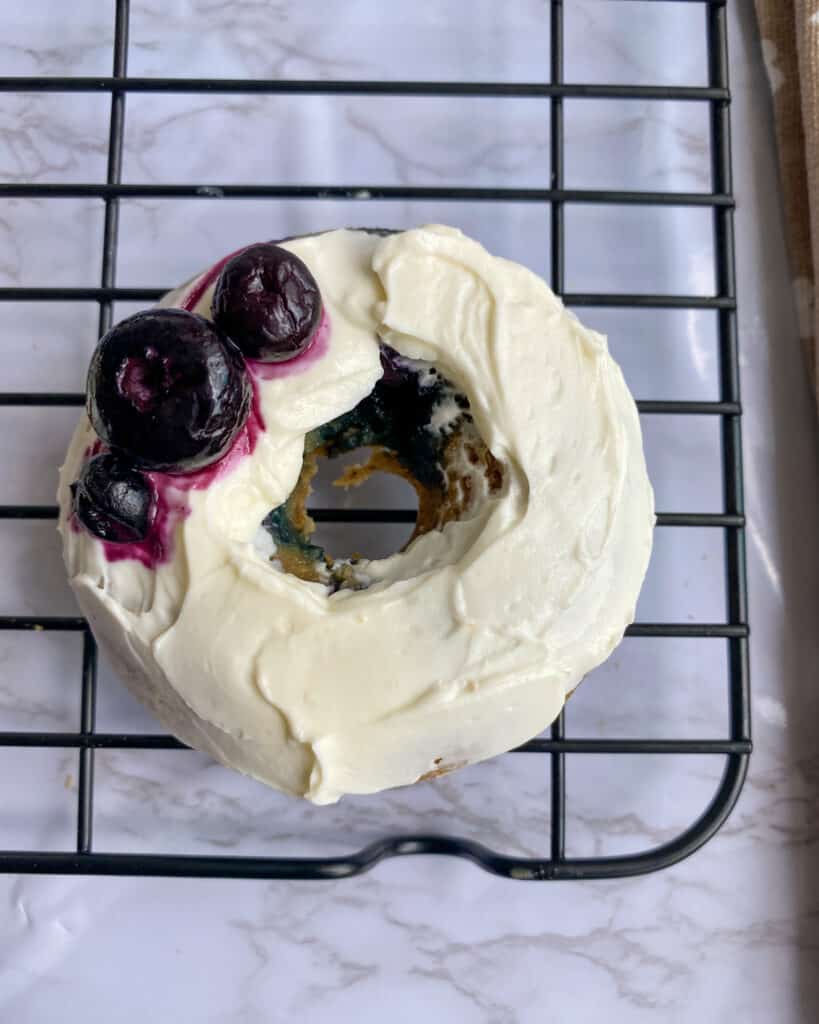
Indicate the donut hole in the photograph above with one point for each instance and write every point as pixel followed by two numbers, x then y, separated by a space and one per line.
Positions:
pixel 416 429
pixel 377 498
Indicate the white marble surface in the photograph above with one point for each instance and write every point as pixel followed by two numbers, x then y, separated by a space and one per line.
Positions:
pixel 733 930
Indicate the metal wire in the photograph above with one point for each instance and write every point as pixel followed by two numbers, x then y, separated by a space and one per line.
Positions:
pixel 735 747
pixel 558 760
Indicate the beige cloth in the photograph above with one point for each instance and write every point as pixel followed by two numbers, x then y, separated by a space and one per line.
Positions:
pixel 790 49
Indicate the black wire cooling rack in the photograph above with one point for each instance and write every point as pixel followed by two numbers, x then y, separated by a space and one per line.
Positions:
pixel 735 747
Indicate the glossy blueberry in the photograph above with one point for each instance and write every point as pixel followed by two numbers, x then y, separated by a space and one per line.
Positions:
pixel 268 302
pixel 169 389
pixel 113 500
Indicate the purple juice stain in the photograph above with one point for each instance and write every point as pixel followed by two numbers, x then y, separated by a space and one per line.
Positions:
pixel 317 349
pixel 171 490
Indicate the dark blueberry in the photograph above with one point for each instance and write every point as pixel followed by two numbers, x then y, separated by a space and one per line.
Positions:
pixel 113 500
pixel 268 302
pixel 169 389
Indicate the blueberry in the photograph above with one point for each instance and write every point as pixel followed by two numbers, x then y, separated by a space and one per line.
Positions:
pixel 113 500
pixel 268 302
pixel 169 389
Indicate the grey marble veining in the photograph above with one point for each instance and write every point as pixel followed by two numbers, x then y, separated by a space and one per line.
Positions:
pixel 733 930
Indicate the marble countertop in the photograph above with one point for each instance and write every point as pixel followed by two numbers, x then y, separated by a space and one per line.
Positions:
pixel 732 930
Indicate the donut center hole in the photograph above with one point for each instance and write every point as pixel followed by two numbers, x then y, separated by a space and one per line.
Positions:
pixel 409 454
pixel 370 515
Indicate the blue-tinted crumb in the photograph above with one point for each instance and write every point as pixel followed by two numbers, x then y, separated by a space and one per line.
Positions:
pixel 397 415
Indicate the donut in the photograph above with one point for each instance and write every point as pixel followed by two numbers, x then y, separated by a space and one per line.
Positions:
pixel 189 544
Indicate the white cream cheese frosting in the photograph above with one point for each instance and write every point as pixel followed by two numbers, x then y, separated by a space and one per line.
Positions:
pixel 464 645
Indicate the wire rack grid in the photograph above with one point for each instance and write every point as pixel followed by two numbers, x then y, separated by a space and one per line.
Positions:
pixel 735 747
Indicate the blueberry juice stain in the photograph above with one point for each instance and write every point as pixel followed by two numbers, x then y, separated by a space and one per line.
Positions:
pixel 171 501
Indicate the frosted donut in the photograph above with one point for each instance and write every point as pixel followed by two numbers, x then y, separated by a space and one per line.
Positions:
pixel 323 676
